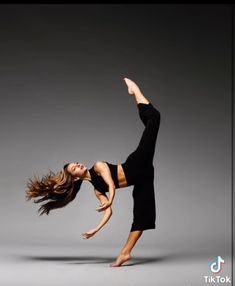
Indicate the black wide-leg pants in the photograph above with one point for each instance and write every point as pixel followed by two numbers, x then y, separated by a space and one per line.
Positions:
pixel 139 170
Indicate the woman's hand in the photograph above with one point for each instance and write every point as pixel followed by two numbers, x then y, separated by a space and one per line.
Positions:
pixel 104 206
pixel 89 233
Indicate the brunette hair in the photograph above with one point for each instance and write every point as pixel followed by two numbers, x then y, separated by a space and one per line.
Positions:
pixel 59 189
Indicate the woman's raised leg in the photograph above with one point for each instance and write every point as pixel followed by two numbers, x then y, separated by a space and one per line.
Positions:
pixel 150 116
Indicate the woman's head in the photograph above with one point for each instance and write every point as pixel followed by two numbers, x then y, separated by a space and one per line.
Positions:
pixel 76 170
pixel 60 189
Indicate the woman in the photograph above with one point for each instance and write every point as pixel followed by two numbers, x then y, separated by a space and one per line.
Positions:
pixel 137 170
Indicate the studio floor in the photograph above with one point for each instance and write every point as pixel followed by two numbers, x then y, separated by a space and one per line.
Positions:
pixel 42 265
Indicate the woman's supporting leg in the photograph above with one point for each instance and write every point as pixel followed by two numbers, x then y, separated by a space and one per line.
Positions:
pixel 125 253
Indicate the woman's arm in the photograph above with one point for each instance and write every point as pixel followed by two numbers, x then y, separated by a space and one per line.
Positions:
pixel 107 214
pixel 104 171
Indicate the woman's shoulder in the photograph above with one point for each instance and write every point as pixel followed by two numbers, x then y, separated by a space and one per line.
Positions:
pixel 100 165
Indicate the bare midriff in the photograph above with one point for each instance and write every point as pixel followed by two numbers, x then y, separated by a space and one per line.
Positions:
pixel 121 177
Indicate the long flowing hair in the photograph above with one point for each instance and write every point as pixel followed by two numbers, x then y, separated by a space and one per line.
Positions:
pixel 59 189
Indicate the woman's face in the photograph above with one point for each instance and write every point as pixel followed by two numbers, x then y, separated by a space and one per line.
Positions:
pixel 76 169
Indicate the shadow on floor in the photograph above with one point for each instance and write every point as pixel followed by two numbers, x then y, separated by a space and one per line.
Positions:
pixel 93 259
pixel 136 260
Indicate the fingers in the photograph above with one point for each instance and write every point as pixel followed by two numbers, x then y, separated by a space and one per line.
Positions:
pixel 89 233
pixel 86 235
pixel 102 207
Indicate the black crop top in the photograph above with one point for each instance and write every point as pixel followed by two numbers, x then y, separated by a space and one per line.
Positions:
pixel 98 182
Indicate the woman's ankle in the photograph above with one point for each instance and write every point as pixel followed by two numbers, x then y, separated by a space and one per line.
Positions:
pixel 141 101
pixel 125 252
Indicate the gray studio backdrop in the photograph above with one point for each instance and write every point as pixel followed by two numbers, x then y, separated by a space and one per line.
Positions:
pixel 63 99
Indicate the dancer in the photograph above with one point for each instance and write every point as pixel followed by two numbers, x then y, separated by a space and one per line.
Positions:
pixel 137 170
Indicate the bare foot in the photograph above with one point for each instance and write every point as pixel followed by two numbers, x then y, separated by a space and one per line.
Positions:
pixel 120 260
pixel 132 86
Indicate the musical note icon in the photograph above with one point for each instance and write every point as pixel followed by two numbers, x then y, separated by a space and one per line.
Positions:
pixel 216 265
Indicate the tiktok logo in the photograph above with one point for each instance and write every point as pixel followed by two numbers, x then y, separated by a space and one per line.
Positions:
pixel 216 265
